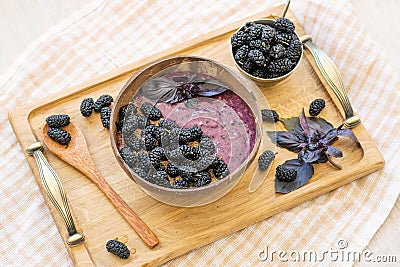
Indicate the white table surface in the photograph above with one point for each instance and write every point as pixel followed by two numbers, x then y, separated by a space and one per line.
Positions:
pixel 22 21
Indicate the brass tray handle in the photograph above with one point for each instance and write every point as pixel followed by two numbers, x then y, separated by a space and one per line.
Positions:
pixel 332 76
pixel 54 189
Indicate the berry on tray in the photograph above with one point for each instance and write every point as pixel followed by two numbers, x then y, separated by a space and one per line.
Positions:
pixel 316 106
pixel 269 115
pixel 105 114
pixel 265 160
pixel 118 248
pixel 59 135
pixel 103 101
pixel 86 107
pixel 58 121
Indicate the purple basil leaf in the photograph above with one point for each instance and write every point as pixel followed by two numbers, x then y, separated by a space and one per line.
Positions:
pixel 319 124
pixel 304 173
pixel 211 88
pixel 330 137
pixel 293 164
pixel 334 152
pixel 159 89
pixel 287 140
pixel 304 123
pixel 348 133
pixel 192 103
pixel 311 156
pixel 292 124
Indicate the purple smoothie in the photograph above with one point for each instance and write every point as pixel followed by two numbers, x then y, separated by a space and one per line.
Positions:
pixel 226 118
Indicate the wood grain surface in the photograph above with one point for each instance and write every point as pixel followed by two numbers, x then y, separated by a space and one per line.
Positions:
pixel 183 229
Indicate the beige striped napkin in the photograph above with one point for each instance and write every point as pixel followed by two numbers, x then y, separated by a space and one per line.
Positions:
pixel 106 35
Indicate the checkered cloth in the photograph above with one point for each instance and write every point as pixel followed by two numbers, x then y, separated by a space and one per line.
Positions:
pixel 107 35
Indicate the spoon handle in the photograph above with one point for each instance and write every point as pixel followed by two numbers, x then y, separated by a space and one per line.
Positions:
pixel 143 231
pixel 54 189
pixel 333 78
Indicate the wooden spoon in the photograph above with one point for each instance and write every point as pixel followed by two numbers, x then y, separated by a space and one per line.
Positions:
pixel 77 155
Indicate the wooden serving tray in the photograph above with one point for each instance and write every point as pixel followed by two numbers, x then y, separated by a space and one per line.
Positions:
pixel 183 229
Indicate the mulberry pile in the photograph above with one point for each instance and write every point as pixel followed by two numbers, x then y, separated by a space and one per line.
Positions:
pixel 161 152
pixel 267 51
pixel 100 106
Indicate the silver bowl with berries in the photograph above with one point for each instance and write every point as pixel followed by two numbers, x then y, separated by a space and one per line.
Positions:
pixel 267 50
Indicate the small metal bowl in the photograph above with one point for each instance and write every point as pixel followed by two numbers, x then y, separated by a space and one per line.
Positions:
pixel 269 22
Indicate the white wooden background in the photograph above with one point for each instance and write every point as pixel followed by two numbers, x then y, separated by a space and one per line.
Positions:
pixel 22 21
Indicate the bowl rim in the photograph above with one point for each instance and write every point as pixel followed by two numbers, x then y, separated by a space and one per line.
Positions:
pixel 265 80
pixel 129 171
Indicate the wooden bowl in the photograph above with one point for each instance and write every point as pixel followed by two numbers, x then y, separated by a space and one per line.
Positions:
pixel 192 196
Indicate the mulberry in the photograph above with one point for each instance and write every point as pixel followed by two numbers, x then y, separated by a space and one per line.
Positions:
pixel 265 159
pixel 59 135
pixel 133 142
pixel 204 178
pixel 181 184
pixel 238 39
pixel 143 161
pixel 155 114
pixel 260 45
pixel 285 174
pixel 118 248
pixel 257 57
pixel 105 114
pixel 167 124
pixel 140 172
pixel 207 145
pixel 103 101
pixel 86 107
pixel 219 168
pixel 283 37
pixel 260 73
pixel 254 32
pixel 281 66
pixel 129 158
pixel 293 52
pixel 58 121
pixel 241 54
pixel 149 142
pixel 268 34
pixel 247 66
pixel 172 170
pixel 278 51
pixel 145 108
pixel 269 115
pixel 186 151
pixel 195 133
pixel 127 110
pixel 284 24
pixel 316 107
